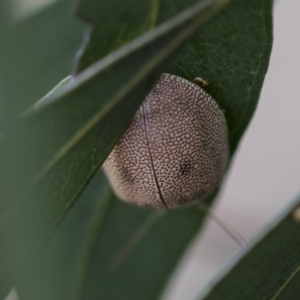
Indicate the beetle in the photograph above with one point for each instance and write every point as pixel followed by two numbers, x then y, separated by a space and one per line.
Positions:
pixel 175 151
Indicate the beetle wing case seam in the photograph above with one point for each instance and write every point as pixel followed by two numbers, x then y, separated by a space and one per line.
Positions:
pixel 175 151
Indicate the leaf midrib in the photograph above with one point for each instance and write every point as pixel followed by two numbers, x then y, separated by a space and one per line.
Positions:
pixel 285 284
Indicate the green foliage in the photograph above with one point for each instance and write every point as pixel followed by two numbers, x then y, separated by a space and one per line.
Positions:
pixel 34 55
pixel 4 15
pixel 104 247
pixel 268 269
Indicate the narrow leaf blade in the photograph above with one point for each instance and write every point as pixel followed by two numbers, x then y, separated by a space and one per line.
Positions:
pixel 268 269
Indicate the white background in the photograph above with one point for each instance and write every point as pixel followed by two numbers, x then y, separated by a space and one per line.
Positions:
pixel 265 174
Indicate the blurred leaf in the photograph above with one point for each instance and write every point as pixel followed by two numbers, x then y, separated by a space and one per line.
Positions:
pixel 103 241
pixel 59 144
pixel 38 52
pixel 136 251
pixel 268 269
pixel 4 15
pixel 34 55
pixel 64 248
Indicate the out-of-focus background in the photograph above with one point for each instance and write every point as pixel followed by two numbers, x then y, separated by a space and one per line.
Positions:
pixel 265 174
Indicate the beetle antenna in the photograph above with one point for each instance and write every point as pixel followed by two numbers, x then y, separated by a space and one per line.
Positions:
pixel 238 238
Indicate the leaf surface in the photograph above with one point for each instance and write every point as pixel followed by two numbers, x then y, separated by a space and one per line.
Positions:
pixel 268 269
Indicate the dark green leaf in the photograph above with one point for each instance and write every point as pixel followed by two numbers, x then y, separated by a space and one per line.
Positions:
pixel 268 269
pixel 34 55
pixel 232 53
pixel 4 15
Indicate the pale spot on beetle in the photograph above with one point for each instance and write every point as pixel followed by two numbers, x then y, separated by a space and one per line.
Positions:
pixel 296 214
pixel 175 150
